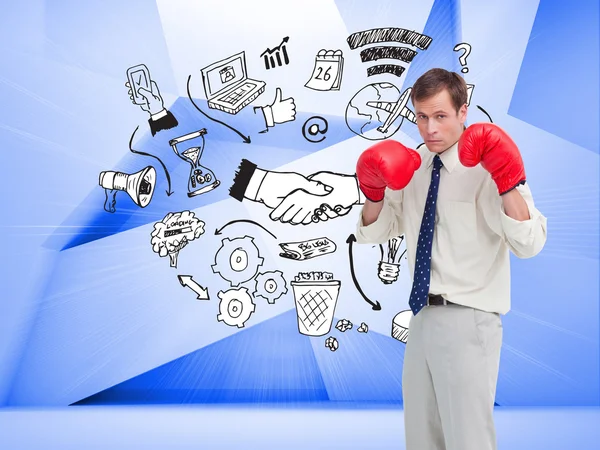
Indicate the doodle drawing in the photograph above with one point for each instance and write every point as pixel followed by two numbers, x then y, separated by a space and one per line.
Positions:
pixel 395 110
pixel 138 77
pixel 332 343
pixel 189 282
pixel 373 111
pixel 315 295
pixel 294 198
pixel 379 35
pixel 303 250
pixel 312 127
pixel 376 306
pixel 227 86
pixel 237 260
pixel 280 111
pixel 139 186
pixel 343 325
pixel 277 56
pixel 236 307
pixel 328 70
pixel 463 58
pixel 201 178
pixel 389 268
pixel 144 92
pixel 401 325
pixel 270 286
pixel 175 232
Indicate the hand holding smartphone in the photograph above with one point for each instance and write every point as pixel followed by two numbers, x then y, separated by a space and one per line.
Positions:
pixel 139 77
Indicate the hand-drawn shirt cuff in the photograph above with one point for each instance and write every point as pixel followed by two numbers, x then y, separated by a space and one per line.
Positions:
pixel 159 114
pixel 269 119
pixel 241 180
pixel 254 184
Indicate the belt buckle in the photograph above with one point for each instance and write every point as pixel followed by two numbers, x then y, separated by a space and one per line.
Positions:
pixel 444 301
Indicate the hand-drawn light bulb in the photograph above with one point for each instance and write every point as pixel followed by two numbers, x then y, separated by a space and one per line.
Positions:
pixel 389 267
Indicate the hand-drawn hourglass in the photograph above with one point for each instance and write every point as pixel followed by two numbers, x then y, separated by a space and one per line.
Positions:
pixel 201 178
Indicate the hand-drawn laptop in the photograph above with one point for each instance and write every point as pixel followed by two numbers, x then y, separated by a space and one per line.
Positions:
pixel 227 85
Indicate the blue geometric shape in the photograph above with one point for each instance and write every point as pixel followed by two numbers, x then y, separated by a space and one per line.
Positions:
pixel 444 27
pixel 92 23
pixel 558 85
pixel 223 152
pixel 269 362
pixel 361 15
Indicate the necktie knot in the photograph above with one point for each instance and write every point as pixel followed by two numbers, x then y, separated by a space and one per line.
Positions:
pixel 437 162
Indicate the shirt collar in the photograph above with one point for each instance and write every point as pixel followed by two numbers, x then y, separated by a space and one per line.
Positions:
pixel 449 157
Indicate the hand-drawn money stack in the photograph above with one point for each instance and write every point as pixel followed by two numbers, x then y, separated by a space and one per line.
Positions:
pixel 316 295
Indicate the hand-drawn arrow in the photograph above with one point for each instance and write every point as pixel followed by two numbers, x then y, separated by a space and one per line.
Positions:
pixel 218 230
pixel 187 281
pixel 351 239
pixel 245 138
pixel 169 191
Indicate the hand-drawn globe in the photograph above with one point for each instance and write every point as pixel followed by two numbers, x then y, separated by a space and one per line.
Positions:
pixel 364 118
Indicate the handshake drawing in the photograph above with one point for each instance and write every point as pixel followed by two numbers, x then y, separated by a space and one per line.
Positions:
pixel 295 198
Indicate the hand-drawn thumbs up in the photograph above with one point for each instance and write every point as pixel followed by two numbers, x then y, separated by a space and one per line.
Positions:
pixel 279 111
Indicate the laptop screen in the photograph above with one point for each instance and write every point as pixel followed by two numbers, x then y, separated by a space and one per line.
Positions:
pixel 222 74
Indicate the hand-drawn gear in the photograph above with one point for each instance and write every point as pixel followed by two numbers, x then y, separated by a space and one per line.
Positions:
pixel 236 307
pixel 238 260
pixel 270 286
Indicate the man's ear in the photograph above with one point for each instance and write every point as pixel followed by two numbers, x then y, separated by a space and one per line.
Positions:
pixel 462 113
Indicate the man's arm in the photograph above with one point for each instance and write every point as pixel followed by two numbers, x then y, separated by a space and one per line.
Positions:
pixel 380 221
pixel 514 217
pixel 507 202
pixel 515 206
pixel 371 211
pixel 383 171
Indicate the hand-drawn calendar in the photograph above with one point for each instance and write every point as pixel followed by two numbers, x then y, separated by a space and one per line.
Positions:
pixel 327 73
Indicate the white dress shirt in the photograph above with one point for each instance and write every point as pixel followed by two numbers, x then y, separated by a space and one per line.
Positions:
pixel 470 262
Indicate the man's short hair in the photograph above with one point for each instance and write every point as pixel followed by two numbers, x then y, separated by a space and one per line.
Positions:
pixel 434 81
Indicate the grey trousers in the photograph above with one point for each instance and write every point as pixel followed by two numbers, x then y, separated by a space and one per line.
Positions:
pixel 449 378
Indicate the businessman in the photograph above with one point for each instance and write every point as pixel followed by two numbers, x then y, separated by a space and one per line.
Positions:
pixel 463 203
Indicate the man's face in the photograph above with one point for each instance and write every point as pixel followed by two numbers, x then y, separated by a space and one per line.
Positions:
pixel 439 124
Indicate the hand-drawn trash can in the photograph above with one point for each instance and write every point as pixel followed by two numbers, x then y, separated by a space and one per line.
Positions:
pixel 315 295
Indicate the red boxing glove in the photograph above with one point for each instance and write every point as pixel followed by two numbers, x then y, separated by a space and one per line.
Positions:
pixel 385 164
pixel 499 155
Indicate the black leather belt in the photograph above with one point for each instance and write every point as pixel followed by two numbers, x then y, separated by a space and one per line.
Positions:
pixel 437 300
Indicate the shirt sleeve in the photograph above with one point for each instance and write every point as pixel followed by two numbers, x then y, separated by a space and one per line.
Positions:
pixel 389 223
pixel 524 238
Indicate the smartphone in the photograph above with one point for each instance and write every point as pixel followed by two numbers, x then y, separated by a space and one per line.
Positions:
pixel 138 76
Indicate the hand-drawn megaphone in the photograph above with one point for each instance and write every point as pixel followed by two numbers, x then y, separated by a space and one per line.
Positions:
pixel 139 186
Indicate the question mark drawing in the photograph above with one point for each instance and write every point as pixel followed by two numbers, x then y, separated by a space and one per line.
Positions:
pixel 463 59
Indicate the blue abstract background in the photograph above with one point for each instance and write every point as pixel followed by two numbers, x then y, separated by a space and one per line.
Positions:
pixel 91 315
